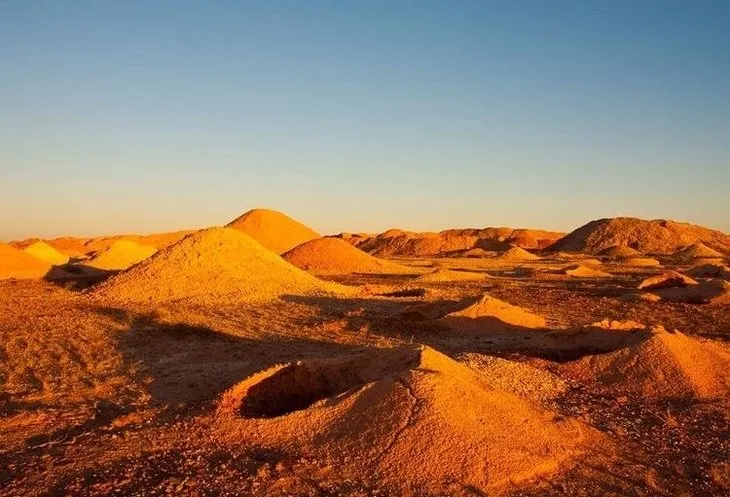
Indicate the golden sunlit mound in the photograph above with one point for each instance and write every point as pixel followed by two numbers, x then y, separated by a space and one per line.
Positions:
pixel 122 254
pixel 583 271
pixel 46 253
pixel 710 271
pixel 95 246
pixel 649 237
pixel 274 230
pixel 15 263
pixel 210 266
pixel 619 252
pixel 490 314
pixel 707 292
pixel 335 256
pixel 445 274
pixel 665 365
pixel 476 253
pixel 640 262
pixel 513 254
pixel 410 420
pixel 667 279
pixel 696 251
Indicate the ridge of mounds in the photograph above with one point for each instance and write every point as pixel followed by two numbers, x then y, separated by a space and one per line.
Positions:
pixel 409 419
pixel 710 271
pixel 17 264
pixel 696 251
pixel 665 365
pixel 513 254
pixel 46 253
pixel 584 271
pixel 213 265
pixel 488 314
pixel 658 236
pixel 329 255
pixel 274 230
pixel 445 275
pixel 122 254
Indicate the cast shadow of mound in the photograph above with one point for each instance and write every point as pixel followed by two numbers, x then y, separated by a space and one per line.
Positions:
pixel 189 365
pixel 77 277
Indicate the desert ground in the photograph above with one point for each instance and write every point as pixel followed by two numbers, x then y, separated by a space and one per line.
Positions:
pixel 263 359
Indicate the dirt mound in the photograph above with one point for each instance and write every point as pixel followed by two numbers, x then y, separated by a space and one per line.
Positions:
pixel 583 271
pixel 640 262
pixel 667 279
pixel 210 266
pixel 122 254
pixel 708 292
pixel 46 253
pixel 94 246
pixel 516 254
pixel 710 271
pixel 274 230
pixel 335 256
pixel 15 263
pixel 402 418
pixel 694 252
pixel 665 365
pixel 445 274
pixel 490 314
pixel 650 237
pixel 619 252
pixel 476 253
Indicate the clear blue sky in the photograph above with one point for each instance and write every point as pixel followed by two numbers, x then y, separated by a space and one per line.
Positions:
pixel 360 116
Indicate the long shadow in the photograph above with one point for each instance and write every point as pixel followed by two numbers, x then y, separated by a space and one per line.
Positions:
pixel 77 277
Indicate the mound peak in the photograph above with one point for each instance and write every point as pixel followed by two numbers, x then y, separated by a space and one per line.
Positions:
pixel 584 271
pixel 658 236
pixel 122 254
pixel 489 314
pixel 41 250
pixel 374 412
pixel 619 252
pixel 212 264
pixel 517 254
pixel 444 274
pixel 665 365
pixel 273 229
pixel 667 279
pixel 334 255
pixel 15 263
pixel 696 251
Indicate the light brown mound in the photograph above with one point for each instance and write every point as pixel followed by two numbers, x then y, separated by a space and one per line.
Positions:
pixel 665 365
pixel 445 275
pixel 710 271
pixel 411 420
pixel 707 292
pixel 649 237
pixel 694 252
pixel 619 252
pixel 46 253
pixel 122 254
pixel 160 241
pixel 15 263
pixel 490 314
pixel 476 253
pixel 581 271
pixel 667 279
pixel 641 261
pixel 517 254
pixel 209 266
pixel 274 230
pixel 335 256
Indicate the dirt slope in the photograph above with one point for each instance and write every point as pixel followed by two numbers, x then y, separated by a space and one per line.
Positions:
pixel 15 263
pixel 46 253
pixel 274 230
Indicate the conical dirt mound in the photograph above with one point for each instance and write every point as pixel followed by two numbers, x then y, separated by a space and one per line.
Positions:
pixel 212 265
pixel 411 419
pixel 696 251
pixel 640 261
pixel 619 252
pixel 122 254
pixel 583 271
pixel 665 365
pixel 445 275
pixel 490 314
pixel 15 263
pixel 667 279
pixel 516 254
pixel 274 230
pixel 335 256
pixel 46 253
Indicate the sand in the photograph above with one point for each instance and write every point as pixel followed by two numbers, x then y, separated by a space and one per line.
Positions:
pixel 411 420
pixel 490 314
pixel 696 251
pixel 46 253
pixel 447 275
pixel 122 254
pixel 274 230
pixel 658 236
pixel 665 365
pixel 209 266
pixel 334 256
pixel 667 279
pixel 17 264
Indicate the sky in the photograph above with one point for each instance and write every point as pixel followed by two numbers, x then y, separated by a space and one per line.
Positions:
pixel 137 117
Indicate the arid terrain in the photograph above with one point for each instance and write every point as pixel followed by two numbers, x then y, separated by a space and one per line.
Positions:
pixel 262 359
